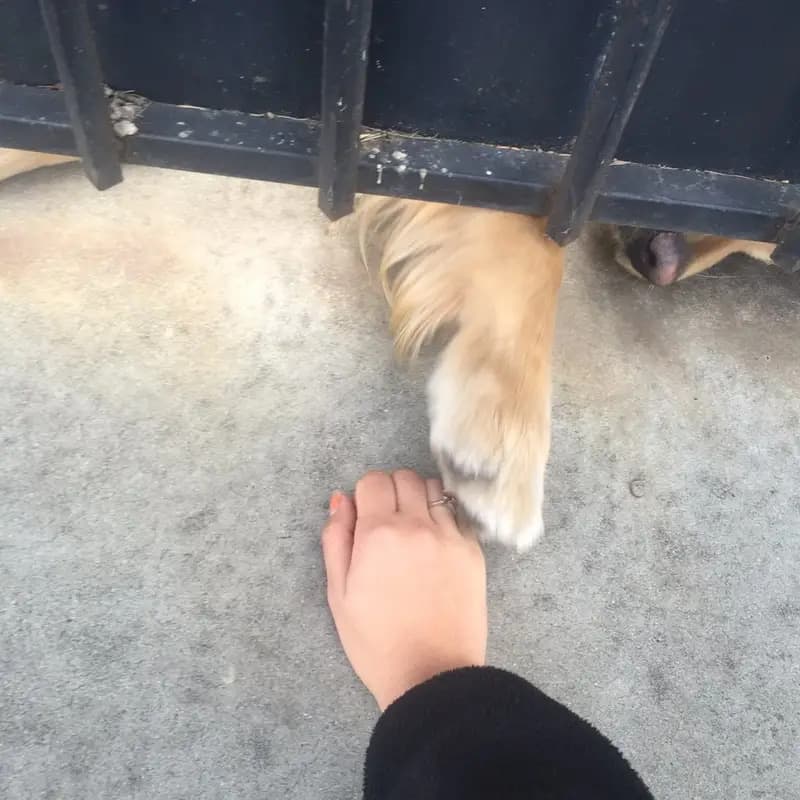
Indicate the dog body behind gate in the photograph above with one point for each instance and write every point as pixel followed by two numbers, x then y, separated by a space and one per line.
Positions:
pixel 18 162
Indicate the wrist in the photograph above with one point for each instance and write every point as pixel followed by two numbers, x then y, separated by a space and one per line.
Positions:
pixel 418 674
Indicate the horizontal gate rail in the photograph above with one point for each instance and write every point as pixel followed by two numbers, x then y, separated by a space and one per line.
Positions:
pixel 344 81
pixel 622 68
pixel 287 150
pixel 75 54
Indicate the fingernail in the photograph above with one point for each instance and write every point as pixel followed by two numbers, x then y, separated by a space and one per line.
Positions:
pixel 335 502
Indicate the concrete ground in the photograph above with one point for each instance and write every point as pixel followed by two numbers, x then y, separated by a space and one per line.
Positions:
pixel 188 364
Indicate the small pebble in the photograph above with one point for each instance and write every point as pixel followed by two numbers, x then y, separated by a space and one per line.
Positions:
pixel 637 487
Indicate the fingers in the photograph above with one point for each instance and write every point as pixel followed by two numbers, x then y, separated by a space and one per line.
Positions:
pixel 337 543
pixel 443 513
pixel 375 495
pixel 412 495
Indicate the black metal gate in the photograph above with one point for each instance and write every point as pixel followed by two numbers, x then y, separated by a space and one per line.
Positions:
pixel 667 114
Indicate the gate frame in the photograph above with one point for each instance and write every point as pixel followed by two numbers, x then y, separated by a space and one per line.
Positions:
pixel 342 158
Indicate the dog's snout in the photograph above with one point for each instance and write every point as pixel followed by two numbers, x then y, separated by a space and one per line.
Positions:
pixel 659 256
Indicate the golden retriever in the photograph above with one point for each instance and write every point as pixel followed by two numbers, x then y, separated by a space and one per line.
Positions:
pixel 490 279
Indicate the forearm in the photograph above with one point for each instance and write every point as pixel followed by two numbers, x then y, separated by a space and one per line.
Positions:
pixel 485 733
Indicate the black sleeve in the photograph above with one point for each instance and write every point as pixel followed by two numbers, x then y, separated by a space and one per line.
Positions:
pixel 484 734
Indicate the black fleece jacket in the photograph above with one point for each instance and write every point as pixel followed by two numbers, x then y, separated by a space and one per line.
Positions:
pixel 485 734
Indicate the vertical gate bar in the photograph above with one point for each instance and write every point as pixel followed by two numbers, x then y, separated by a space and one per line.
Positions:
pixel 786 255
pixel 344 82
pixel 637 30
pixel 73 47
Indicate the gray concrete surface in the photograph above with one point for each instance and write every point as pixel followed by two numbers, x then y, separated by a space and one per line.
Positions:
pixel 189 364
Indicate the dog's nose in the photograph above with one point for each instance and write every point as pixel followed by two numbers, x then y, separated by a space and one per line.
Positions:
pixel 660 257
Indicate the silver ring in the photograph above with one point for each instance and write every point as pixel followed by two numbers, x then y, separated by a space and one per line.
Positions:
pixel 447 499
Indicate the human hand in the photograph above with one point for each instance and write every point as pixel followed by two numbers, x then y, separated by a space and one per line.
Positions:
pixel 406 589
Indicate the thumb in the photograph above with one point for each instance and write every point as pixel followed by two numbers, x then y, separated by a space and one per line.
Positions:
pixel 337 543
